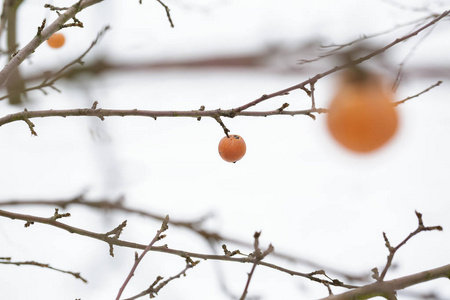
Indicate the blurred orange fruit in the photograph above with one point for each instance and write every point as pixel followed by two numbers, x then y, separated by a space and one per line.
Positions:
pixel 57 40
pixel 362 116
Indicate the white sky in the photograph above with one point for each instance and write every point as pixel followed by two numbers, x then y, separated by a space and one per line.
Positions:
pixel 308 196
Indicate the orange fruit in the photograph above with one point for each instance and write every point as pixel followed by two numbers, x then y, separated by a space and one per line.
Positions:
pixel 56 40
pixel 232 148
pixel 361 116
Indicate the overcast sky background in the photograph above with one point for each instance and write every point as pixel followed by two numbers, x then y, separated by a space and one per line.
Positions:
pixel 307 195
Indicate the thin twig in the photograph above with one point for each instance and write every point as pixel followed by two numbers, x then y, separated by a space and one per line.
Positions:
pixel 258 257
pixel 219 120
pixel 335 48
pixel 406 58
pixel 157 237
pixel 393 250
pixel 30 125
pixel 8 261
pixel 158 284
pixel 418 94
pixel 167 13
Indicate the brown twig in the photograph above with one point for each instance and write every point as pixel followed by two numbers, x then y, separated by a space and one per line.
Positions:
pixel 167 13
pixel 102 113
pixel 402 64
pixel 385 288
pixel 158 284
pixel 219 120
pixel 8 261
pixel 195 226
pixel 156 238
pixel 258 257
pixel 164 249
pixel 393 250
pixel 418 94
pixel 30 124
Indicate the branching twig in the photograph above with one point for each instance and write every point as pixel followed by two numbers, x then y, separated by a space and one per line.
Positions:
pixel 406 58
pixel 195 226
pixel 157 237
pixel 116 232
pixel 154 288
pixel 384 288
pixel 393 250
pixel 258 256
pixel 8 261
pixel 164 249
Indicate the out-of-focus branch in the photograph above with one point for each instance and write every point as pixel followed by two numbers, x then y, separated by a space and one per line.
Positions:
pixel 50 79
pixel 41 36
pixel 15 84
pixel 333 49
pixel 346 65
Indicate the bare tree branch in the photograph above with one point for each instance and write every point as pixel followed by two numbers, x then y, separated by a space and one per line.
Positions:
pixel 165 249
pixel 258 255
pixel 8 261
pixel 393 250
pixel 102 113
pixel 195 225
pixel 154 288
pixel 384 288
pixel 157 237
